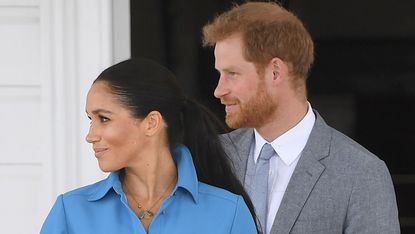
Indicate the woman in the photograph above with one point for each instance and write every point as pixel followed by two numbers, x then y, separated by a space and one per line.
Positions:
pixel 162 151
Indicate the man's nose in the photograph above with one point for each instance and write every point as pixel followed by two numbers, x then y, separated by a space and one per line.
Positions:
pixel 221 88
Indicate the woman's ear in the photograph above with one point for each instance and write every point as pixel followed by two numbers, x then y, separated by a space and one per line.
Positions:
pixel 153 123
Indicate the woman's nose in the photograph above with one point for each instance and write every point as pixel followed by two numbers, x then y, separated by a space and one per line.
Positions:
pixel 92 136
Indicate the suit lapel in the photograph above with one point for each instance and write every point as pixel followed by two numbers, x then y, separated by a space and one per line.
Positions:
pixel 305 176
pixel 240 141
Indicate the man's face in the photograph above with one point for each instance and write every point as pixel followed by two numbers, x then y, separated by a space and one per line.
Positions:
pixel 241 89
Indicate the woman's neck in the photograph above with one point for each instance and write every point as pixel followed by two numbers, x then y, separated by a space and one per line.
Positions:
pixel 148 179
pixel 148 182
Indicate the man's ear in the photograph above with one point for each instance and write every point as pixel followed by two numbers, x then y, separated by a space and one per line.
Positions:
pixel 279 69
pixel 153 122
pixel 275 68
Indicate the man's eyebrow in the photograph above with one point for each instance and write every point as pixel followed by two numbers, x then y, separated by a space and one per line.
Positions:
pixel 229 69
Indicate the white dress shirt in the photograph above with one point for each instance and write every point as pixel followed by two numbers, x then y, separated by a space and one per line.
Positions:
pixel 288 148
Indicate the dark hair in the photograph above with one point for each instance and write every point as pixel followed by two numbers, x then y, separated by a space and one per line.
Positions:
pixel 144 86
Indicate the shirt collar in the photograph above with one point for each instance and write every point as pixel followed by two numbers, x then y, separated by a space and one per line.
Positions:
pixel 290 144
pixel 112 181
pixel 187 177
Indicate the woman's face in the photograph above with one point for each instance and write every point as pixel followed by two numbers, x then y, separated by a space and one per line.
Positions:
pixel 116 136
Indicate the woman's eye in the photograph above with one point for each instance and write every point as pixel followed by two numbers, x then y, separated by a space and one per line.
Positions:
pixel 103 119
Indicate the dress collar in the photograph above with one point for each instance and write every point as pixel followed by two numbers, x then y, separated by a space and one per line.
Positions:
pixel 187 177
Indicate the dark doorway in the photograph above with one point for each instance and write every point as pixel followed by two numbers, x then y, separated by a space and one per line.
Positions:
pixel 362 83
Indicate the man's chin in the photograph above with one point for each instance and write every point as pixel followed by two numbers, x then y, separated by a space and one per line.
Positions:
pixel 233 122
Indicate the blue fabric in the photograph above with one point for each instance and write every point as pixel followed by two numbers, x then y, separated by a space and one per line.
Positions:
pixel 192 207
pixel 257 185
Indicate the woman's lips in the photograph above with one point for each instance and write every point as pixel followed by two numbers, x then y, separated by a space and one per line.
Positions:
pixel 100 151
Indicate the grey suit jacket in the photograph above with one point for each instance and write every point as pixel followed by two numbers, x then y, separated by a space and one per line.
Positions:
pixel 337 187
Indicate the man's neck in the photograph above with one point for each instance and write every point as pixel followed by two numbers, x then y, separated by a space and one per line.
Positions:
pixel 284 118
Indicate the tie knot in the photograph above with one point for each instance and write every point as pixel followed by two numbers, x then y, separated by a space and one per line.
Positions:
pixel 266 152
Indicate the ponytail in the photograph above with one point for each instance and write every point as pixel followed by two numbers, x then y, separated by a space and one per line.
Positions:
pixel 201 130
pixel 201 136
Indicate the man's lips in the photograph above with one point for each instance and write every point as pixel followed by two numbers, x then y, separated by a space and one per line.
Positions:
pixel 100 151
pixel 229 105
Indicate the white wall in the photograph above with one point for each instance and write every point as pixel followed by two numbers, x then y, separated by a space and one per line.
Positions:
pixel 121 30
pixel 50 52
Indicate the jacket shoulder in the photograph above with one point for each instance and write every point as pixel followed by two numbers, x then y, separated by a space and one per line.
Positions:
pixel 353 151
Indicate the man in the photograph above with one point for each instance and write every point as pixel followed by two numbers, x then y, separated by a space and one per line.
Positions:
pixel 316 179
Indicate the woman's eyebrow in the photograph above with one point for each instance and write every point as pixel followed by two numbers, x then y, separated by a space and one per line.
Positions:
pixel 99 111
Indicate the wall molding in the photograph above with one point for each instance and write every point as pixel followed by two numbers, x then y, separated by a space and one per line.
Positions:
pixel 76 46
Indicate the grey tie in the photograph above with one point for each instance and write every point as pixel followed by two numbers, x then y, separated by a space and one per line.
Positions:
pixel 259 184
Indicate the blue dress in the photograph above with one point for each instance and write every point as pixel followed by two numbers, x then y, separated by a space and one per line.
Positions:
pixel 193 207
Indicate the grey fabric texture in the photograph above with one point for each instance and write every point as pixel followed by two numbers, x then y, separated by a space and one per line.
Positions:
pixel 337 186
